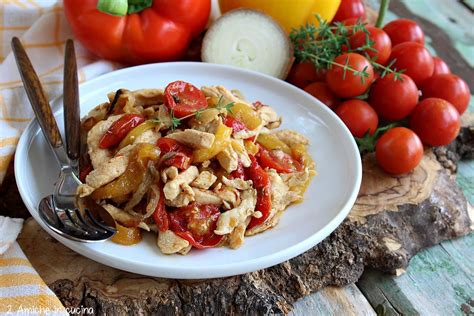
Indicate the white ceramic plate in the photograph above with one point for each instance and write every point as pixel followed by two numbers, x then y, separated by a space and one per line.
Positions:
pixel 327 202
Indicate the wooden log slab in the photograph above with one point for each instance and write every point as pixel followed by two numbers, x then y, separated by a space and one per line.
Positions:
pixel 393 219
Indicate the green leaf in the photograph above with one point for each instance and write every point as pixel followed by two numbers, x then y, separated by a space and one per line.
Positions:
pixel 113 7
pixel 135 6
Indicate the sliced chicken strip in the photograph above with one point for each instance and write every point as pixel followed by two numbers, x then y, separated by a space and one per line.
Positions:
pixel 193 138
pixel 173 188
pixel 227 221
pixel 291 138
pixel 121 216
pixel 205 180
pixel 98 155
pixel 228 159
pixel 107 172
pixel 206 197
pixel 170 243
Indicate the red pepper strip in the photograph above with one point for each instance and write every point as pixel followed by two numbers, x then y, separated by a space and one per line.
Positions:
pixel 182 157
pixel 235 124
pixel 119 129
pixel 160 216
pixel 239 173
pixel 84 172
pixel 196 224
pixel 262 184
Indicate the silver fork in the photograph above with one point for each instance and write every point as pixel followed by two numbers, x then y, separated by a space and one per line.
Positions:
pixel 59 210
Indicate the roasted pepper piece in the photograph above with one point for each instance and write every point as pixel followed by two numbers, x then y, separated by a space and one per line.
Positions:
pixel 271 142
pixel 137 131
pixel 119 129
pixel 221 140
pixel 245 114
pixel 127 235
pixel 133 175
pixel 251 147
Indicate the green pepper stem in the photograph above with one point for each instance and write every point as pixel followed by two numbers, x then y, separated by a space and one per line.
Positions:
pixel 113 7
pixel 123 7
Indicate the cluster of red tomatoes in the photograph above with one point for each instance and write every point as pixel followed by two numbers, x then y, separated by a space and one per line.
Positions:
pixel 426 97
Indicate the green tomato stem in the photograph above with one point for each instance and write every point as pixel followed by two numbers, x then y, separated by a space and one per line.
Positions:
pixel 382 10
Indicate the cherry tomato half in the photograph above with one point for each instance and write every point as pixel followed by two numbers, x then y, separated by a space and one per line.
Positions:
pixel 399 150
pixel 196 223
pixel 350 9
pixel 415 59
pixel 183 98
pixel 382 44
pixel 448 87
pixel 302 74
pixel 404 30
pixel 278 160
pixel 440 67
pixel 343 82
pixel 435 121
pixel 321 91
pixel 393 99
pixel 176 154
pixel 119 129
pixel 358 116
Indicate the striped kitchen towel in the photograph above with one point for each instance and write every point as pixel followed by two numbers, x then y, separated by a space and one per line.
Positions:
pixel 22 291
pixel 43 30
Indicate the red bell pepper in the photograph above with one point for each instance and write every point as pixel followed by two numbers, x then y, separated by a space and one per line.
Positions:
pixel 139 31
pixel 119 129
pixel 262 184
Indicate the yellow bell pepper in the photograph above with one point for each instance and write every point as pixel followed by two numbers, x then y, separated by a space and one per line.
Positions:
pixel 246 115
pixel 289 13
pixel 127 235
pixel 133 175
pixel 251 147
pixel 221 141
pixel 271 142
pixel 137 131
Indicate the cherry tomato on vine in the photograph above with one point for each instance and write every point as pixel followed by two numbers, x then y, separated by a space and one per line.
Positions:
pixel 302 74
pixel 399 150
pixel 435 121
pixel 183 98
pixel 358 116
pixel 415 59
pixel 321 91
pixel 382 44
pixel 393 99
pixel 350 9
pixel 342 80
pixel 440 67
pixel 404 30
pixel 448 87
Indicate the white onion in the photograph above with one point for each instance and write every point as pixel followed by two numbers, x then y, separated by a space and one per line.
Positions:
pixel 248 39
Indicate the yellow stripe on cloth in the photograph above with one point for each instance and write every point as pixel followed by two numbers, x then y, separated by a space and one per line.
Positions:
pixel 9 141
pixel 16 279
pixel 14 261
pixel 39 303
pixel 5 162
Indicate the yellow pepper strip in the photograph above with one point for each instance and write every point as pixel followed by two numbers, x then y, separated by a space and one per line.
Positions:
pixel 127 235
pixel 137 131
pixel 221 140
pixel 246 115
pixel 251 147
pixel 271 142
pixel 289 13
pixel 300 153
pixel 133 175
